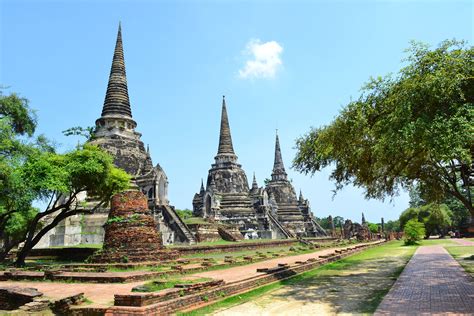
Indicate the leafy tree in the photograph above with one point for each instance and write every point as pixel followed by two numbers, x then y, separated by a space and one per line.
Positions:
pixel 17 126
pixel 87 132
pixel 392 226
pixel 436 218
pixel 415 127
pixel 413 232
pixel 374 228
pixel 459 214
pixel 184 214
pixel 60 180
pixel 30 170
pixel 324 222
pixel 338 221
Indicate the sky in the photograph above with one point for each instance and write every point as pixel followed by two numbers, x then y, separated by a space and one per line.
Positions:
pixel 286 65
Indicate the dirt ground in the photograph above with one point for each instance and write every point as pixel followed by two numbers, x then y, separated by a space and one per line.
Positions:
pixel 344 290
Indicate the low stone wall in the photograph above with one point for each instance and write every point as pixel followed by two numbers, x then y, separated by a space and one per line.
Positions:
pixel 81 254
pixel 64 254
pixel 12 298
pixel 204 232
pixel 241 246
pixel 176 301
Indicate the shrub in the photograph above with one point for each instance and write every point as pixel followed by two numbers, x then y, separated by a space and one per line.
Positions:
pixel 413 232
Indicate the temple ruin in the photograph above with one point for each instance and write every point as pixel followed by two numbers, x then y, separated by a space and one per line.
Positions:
pixel 115 132
pixel 270 212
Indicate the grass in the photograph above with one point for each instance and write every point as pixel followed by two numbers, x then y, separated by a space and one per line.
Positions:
pixel 375 255
pixel 437 242
pixel 464 255
pixel 224 242
pixel 166 283
pixel 196 220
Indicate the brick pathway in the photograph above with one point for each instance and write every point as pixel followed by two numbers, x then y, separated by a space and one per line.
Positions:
pixel 432 283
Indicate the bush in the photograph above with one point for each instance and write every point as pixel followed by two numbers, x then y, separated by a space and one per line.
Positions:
pixel 413 232
pixel 184 214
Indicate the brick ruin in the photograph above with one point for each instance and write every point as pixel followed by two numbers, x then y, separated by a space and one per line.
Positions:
pixel 131 233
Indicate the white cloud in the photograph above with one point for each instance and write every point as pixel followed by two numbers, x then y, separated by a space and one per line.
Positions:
pixel 264 59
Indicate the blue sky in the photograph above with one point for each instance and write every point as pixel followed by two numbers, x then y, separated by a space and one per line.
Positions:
pixel 281 64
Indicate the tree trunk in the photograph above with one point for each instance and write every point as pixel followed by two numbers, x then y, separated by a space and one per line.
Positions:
pixel 7 246
pixel 32 239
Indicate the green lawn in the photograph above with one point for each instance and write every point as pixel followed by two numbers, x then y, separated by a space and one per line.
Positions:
pixel 464 255
pixel 167 283
pixel 437 242
pixel 365 278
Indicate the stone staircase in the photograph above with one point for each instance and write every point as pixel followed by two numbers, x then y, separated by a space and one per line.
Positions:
pixel 172 219
pixel 317 228
pixel 282 229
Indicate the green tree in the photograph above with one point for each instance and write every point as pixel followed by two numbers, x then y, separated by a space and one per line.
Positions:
pixel 324 222
pixel 392 226
pixel 413 232
pixel 30 170
pixel 439 219
pixel 17 126
pixel 374 228
pixel 338 221
pixel 415 127
pixel 436 218
pixel 60 179
pixel 184 214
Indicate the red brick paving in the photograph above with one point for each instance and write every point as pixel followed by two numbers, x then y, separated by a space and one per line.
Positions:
pixel 431 283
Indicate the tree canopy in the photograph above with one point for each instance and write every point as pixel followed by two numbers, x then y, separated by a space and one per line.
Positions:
pixel 413 127
pixel 437 218
pixel 30 170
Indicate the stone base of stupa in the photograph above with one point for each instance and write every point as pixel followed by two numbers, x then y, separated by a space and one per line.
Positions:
pixel 131 233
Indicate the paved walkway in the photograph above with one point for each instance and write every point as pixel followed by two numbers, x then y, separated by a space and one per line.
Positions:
pixel 431 283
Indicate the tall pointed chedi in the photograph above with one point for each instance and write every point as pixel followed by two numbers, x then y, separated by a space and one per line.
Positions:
pixel 225 138
pixel 278 173
pixel 115 133
pixel 227 190
pixel 117 102
pixel 292 212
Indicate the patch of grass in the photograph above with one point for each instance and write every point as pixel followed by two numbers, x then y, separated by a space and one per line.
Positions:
pixel 196 220
pixel 166 283
pixel 464 255
pixel 437 242
pixel 391 249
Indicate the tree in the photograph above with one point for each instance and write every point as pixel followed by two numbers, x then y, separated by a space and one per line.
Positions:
pixel 416 127
pixel 374 228
pixel 338 221
pixel 60 180
pixel 30 170
pixel 184 214
pixel 392 226
pixel 17 126
pixel 436 218
pixel 413 232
